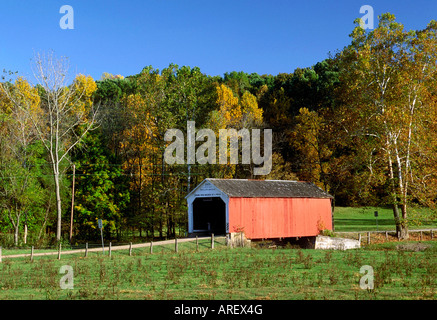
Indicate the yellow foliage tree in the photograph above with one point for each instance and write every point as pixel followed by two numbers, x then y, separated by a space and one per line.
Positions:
pixel 252 114
pixel 20 94
pixel 230 108
pixel 83 88
pixel 137 141
pixel 233 113
pixel 307 139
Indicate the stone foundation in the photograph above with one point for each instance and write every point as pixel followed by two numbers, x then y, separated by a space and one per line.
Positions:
pixel 324 242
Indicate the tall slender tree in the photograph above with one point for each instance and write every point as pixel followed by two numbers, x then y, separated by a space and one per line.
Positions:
pixel 67 113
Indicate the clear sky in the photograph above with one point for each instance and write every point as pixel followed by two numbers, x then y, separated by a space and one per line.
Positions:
pixel 122 37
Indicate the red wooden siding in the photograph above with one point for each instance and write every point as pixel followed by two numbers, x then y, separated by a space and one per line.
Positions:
pixel 279 217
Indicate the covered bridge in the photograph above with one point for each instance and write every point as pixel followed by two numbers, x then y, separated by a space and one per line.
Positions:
pixel 261 208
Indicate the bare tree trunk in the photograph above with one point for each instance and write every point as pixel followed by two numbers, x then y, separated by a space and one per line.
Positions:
pixel 16 235
pixel 403 185
pixel 72 203
pixel 15 223
pixel 403 232
pixel 58 206
pixel 393 195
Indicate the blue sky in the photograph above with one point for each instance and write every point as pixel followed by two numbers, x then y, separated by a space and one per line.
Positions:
pixel 122 37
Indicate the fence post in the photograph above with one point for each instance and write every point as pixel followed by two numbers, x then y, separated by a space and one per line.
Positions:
pixel 386 236
pixel 110 246
pixel 359 238
pixel 421 235
pixel 31 253
pixel 212 240
pixel 432 234
pixel 368 237
pixel 86 249
pixel 197 243
pixel 130 248
pixel 176 245
pixel 151 247
pixel 59 251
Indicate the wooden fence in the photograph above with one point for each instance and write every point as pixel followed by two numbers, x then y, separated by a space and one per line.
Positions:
pixel 367 235
pixel 111 248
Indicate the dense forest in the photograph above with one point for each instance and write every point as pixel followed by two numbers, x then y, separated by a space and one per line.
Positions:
pixel 361 125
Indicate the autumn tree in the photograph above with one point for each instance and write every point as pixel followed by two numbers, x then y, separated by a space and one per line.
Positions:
pixel 67 114
pixel 388 92
pixel 140 154
pixel 311 138
pixel 235 113
pixel 21 194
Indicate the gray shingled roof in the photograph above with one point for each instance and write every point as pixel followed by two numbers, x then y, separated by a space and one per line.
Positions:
pixel 268 188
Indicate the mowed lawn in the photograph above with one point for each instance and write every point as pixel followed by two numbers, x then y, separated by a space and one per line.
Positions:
pixel 363 219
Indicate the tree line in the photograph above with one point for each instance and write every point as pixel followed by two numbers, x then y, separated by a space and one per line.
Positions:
pixel 360 124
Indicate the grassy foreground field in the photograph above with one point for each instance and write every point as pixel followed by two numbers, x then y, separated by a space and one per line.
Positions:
pixel 223 273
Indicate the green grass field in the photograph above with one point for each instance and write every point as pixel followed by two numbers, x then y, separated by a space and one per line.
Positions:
pixel 238 273
pixel 223 273
pixel 363 219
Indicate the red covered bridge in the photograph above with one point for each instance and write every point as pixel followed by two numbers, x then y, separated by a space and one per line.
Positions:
pixel 261 208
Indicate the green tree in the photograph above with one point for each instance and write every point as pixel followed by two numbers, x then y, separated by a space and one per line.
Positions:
pixel 100 189
pixel 21 194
